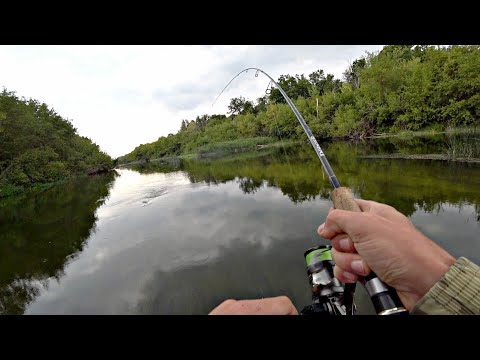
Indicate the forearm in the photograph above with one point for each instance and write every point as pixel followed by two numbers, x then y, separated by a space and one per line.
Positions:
pixel 456 293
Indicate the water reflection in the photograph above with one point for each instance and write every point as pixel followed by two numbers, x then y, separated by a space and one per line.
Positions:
pixel 296 171
pixel 188 227
pixel 178 237
pixel 278 270
pixel 40 234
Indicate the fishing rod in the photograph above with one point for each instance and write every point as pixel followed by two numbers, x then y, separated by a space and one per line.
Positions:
pixel 329 296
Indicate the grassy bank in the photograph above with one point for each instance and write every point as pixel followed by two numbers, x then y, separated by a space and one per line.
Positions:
pixel 463 143
pixel 460 144
pixel 435 130
pixel 238 146
pixel 422 157
pixel 233 146
pixel 249 147
pixel 455 144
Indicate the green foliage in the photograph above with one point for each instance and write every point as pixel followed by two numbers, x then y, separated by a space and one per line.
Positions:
pixel 402 88
pixel 38 146
pixel 352 74
pixel 240 106
pixel 323 84
pixel 346 121
pixel 233 146
pixel 295 87
pixel 404 184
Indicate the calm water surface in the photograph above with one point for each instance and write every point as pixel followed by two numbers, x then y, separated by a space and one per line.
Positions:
pixel 180 237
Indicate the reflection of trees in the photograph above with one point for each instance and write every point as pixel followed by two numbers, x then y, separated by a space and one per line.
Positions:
pixel 249 186
pixel 404 184
pixel 41 232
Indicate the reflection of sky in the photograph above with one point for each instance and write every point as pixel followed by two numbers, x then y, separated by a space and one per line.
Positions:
pixel 161 224
pixel 132 189
pixel 185 225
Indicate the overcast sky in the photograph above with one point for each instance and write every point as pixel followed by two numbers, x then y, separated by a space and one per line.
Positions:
pixel 123 96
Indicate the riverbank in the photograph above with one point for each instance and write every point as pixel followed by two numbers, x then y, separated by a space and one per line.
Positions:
pixel 461 145
pixel 456 149
pixel 453 144
pixel 224 149
pixel 239 146
pixel 429 132
pixel 39 148
pixel 421 157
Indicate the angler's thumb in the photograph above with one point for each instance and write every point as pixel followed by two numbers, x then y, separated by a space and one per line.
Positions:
pixel 342 221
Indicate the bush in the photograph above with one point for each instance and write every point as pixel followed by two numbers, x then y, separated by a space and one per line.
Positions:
pixel 38 146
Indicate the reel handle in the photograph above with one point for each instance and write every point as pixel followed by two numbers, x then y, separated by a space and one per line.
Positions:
pixel 385 299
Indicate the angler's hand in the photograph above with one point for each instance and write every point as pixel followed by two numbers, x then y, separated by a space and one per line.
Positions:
pixel 387 243
pixel 280 305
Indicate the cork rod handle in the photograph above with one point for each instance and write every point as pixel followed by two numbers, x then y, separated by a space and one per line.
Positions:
pixel 343 199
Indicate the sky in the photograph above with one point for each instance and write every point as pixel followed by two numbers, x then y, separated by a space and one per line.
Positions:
pixel 122 96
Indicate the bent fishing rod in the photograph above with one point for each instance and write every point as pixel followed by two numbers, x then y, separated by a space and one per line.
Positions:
pixel 329 296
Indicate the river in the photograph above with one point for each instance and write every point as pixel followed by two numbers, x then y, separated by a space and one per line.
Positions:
pixel 181 236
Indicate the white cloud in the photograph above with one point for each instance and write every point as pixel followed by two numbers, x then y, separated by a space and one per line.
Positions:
pixel 121 96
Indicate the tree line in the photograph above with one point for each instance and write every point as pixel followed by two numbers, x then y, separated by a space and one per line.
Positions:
pixel 400 88
pixel 38 146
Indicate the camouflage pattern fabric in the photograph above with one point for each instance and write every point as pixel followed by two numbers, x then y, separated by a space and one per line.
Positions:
pixel 456 293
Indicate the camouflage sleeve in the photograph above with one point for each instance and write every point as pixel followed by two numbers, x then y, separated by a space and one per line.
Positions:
pixel 456 293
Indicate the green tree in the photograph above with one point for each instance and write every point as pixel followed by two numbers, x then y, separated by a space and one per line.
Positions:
pixel 261 105
pixel 240 106
pixel 294 87
pixel 401 87
pixel 352 73
pixel 183 126
pixel 39 146
pixel 202 121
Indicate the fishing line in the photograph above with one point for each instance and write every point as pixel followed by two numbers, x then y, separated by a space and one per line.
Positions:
pixel 295 183
pixel 350 288
pixel 268 91
pixel 328 169
pixel 385 299
pixel 326 166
